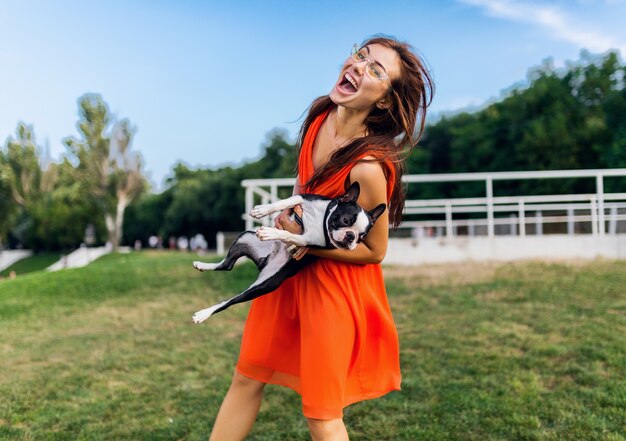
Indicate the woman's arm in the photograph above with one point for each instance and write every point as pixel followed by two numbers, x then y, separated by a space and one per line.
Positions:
pixel 373 248
pixel 296 186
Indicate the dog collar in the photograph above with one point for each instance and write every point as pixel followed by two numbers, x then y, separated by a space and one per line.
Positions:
pixel 331 204
pixel 298 220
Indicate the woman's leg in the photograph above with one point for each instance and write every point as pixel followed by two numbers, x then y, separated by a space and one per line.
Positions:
pixel 327 430
pixel 238 410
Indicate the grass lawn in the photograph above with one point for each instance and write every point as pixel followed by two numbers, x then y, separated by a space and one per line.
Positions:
pixel 511 351
pixel 36 262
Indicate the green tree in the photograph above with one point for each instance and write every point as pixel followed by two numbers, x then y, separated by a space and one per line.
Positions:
pixel 47 207
pixel 204 201
pixel 108 170
pixel 7 205
pixel 569 118
pixel 207 201
pixel 144 217
pixel 60 219
pixel 27 179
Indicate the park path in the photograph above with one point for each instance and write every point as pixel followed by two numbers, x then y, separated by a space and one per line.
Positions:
pixel 79 258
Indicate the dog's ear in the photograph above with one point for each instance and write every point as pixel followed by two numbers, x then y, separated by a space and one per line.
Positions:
pixel 352 194
pixel 376 212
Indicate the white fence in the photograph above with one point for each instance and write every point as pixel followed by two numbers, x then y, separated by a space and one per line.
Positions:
pixel 602 211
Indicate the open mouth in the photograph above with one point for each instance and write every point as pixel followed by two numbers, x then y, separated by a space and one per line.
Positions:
pixel 347 84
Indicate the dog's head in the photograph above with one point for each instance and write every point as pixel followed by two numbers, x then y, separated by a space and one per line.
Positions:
pixel 347 223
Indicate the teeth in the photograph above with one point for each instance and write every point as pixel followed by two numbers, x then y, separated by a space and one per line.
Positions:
pixel 352 81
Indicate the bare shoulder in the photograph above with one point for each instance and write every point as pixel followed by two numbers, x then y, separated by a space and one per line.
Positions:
pixel 368 171
pixel 373 183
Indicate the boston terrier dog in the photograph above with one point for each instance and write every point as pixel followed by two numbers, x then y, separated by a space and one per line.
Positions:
pixel 327 223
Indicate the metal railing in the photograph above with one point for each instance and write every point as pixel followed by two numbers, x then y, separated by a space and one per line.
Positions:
pixel 594 208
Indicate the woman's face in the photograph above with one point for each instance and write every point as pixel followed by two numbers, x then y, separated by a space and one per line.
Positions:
pixel 360 90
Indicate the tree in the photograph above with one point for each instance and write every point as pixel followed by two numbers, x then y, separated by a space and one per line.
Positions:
pixel 7 205
pixel 570 118
pixel 26 179
pixel 42 204
pixel 110 172
pixel 207 201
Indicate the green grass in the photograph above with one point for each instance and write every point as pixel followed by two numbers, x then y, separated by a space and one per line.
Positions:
pixel 30 264
pixel 517 351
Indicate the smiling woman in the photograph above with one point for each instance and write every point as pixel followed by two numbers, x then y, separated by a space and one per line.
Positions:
pixel 349 84
pixel 328 332
pixel 374 70
pixel 387 108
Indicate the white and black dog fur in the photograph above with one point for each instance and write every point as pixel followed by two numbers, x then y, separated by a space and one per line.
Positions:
pixel 326 222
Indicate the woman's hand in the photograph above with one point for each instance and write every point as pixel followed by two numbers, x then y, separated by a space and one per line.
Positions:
pixel 283 220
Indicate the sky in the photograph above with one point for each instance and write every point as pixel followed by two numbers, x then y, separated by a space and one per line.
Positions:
pixel 205 82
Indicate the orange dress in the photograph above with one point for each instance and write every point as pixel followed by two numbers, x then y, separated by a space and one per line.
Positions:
pixel 327 332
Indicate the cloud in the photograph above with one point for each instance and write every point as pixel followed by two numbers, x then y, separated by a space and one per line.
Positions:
pixel 550 18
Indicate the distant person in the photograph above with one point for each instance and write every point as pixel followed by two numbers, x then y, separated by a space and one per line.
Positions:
pixel 199 243
pixel 183 243
pixel 328 332
pixel 153 241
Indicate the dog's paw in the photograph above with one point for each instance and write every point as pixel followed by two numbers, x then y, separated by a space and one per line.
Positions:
pixel 201 266
pixel 260 211
pixel 267 233
pixel 201 316
pixel 204 314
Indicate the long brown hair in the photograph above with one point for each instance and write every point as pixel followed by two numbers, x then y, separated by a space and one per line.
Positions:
pixel 391 132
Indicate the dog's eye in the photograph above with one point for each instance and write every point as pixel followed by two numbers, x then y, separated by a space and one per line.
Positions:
pixel 345 221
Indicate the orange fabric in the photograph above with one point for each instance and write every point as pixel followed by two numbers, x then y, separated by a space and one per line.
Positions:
pixel 327 332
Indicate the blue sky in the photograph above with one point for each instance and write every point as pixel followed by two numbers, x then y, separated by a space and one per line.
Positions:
pixel 204 82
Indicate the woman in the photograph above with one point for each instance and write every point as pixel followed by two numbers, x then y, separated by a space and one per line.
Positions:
pixel 328 332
